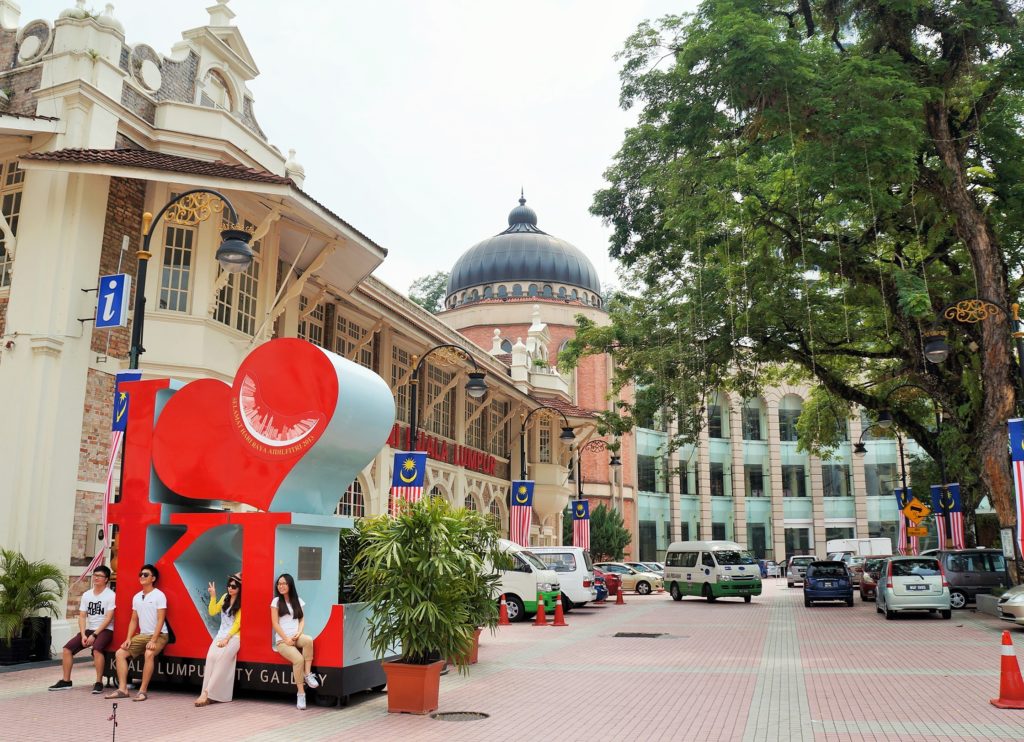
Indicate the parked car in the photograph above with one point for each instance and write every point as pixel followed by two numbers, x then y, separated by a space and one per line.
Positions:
pixel 1011 605
pixel 575 573
pixel 827 581
pixel 645 567
pixel 796 568
pixel 612 582
pixel 643 582
pixel 972 571
pixel 912 584
pixel 711 570
pixel 772 569
pixel 855 566
pixel 869 577
pixel 656 566
pixel 600 588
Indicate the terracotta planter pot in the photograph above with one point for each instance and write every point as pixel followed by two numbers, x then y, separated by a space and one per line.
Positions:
pixel 412 689
pixel 471 655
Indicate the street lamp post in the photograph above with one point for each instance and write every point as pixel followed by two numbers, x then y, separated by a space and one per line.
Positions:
pixel 476 387
pixel 885 422
pixel 566 436
pixel 234 253
pixel 595 445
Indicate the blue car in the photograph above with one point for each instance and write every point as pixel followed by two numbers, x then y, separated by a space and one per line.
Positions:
pixel 601 588
pixel 827 581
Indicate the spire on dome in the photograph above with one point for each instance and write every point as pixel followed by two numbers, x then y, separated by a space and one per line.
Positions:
pixel 522 217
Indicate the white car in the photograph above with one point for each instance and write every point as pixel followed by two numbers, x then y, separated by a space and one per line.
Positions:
pixel 1011 605
pixel 912 584
pixel 575 573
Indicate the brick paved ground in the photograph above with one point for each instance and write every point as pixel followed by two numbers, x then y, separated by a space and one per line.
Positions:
pixel 771 670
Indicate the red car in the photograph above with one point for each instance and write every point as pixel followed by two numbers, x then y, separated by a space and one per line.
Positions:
pixel 611 581
pixel 869 577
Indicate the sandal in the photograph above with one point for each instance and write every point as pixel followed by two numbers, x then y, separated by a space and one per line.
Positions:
pixel 140 697
pixel 115 695
pixel 203 702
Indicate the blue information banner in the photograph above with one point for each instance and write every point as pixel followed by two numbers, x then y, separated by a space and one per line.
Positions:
pixel 112 305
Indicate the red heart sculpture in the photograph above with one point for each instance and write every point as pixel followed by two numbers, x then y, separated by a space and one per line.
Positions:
pixel 218 442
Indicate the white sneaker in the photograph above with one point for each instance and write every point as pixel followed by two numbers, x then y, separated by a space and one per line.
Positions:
pixel 300 701
pixel 311 680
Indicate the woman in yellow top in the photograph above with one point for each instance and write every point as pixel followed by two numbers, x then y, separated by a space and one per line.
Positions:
pixel 219 675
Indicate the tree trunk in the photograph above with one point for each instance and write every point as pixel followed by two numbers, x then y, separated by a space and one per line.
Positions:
pixel 990 275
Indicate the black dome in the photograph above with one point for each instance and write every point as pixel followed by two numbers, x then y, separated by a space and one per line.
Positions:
pixel 523 253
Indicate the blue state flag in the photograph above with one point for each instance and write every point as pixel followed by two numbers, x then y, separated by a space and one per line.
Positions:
pixel 410 469
pixel 1016 427
pixel 581 510
pixel 120 418
pixel 955 504
pixel 522 493
pixel 939 499
pixel 903 496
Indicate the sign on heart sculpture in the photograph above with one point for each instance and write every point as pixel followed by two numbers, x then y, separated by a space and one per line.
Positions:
pixel 284 439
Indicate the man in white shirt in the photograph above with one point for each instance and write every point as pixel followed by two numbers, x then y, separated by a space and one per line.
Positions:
pixel 149 615
pixel 95 629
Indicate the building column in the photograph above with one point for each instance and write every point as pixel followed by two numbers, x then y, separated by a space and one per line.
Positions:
pixel 859 483
pixel 817 506
pixel 775 472
pixel 739 490
pixel 703 480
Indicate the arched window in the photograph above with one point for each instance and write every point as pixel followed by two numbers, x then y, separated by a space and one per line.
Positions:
pixel 470 503
pixel 506 346
pixel 495 510
pixel 586 298
pixel 548 293
pixel 435 492
pixel 216 92
pixel 575 295
pixel 517 290
pixel 488 292
pixel 533 289
pixel 502 292
pixel 561 292
pixel 474 295
pixel 352 502
pixel 789 412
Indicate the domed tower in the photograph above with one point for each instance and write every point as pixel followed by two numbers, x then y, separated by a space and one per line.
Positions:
pixel 517 295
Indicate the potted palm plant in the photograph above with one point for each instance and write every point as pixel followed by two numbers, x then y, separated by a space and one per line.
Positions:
pixel 428 578
pixel 26 588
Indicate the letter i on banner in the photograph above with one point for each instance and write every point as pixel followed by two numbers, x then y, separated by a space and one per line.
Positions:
pixel 408 477
pixel 581 524
pixel 1016 428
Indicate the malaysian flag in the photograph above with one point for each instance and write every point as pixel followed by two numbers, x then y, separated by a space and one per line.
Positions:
pixel 1016 427
pixel 408 477
pixel 581 524
pixel 946 499
pixel 902 498
pixel 520 514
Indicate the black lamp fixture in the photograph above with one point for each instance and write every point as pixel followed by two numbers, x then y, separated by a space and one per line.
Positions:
pixel 234 253
pixel 476 387
pixel 936 349
pixel 615 462
pixel 567 436
pixel 884 419
pixel 860 448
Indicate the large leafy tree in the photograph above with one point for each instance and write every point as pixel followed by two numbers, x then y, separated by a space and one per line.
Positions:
pixel 808 186
pixel 609 536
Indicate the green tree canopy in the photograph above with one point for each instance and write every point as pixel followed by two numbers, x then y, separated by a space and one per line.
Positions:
pixel 808 186
pixel 608 535
pixel 429 291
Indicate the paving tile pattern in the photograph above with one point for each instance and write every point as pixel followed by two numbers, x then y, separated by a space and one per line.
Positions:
pixel 770 670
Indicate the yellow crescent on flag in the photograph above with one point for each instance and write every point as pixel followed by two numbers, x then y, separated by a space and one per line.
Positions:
pixel 579 510
pixel 521 494
pixel 408 465
pixel 122 404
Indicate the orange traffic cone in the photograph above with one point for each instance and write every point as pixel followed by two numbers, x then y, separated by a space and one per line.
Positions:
pixel 503 612
pixel 541 619
pixel 559 616
pixel 1011 684
pixel 618 596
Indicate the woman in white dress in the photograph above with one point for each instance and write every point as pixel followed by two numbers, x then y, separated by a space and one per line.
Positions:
pixel 289 621
pixel 219 675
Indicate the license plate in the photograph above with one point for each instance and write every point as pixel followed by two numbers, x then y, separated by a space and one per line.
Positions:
pixel 917 587
pixel 829 584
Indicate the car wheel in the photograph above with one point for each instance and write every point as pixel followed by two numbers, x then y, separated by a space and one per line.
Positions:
pixel 567 605
pixel 957 599
pixel 946 614
pixel 746 598
pixel 707 593
pixel 849 601
pixel 863 597
pixel 675 592
pixel 807 603
pixel 889 615
pixel 515 608
pixel 643 588
pixel 789 584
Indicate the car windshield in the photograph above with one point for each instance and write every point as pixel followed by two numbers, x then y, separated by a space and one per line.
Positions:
pixel 802 561
pixel 873 565
pixel 654 566
pixel 733 557
pixel 640 567
pixel 915 567
pixel 826 570
pixel 530 557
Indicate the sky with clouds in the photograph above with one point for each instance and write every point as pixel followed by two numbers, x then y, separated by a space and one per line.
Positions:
pixel 418 121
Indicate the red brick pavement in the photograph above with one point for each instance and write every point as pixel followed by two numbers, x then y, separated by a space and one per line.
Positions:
pixel 725 671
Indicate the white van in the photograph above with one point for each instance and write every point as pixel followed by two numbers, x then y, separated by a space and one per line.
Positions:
pixel 864 547
pixel 527 578
pixel 712 570
pixel 575 573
